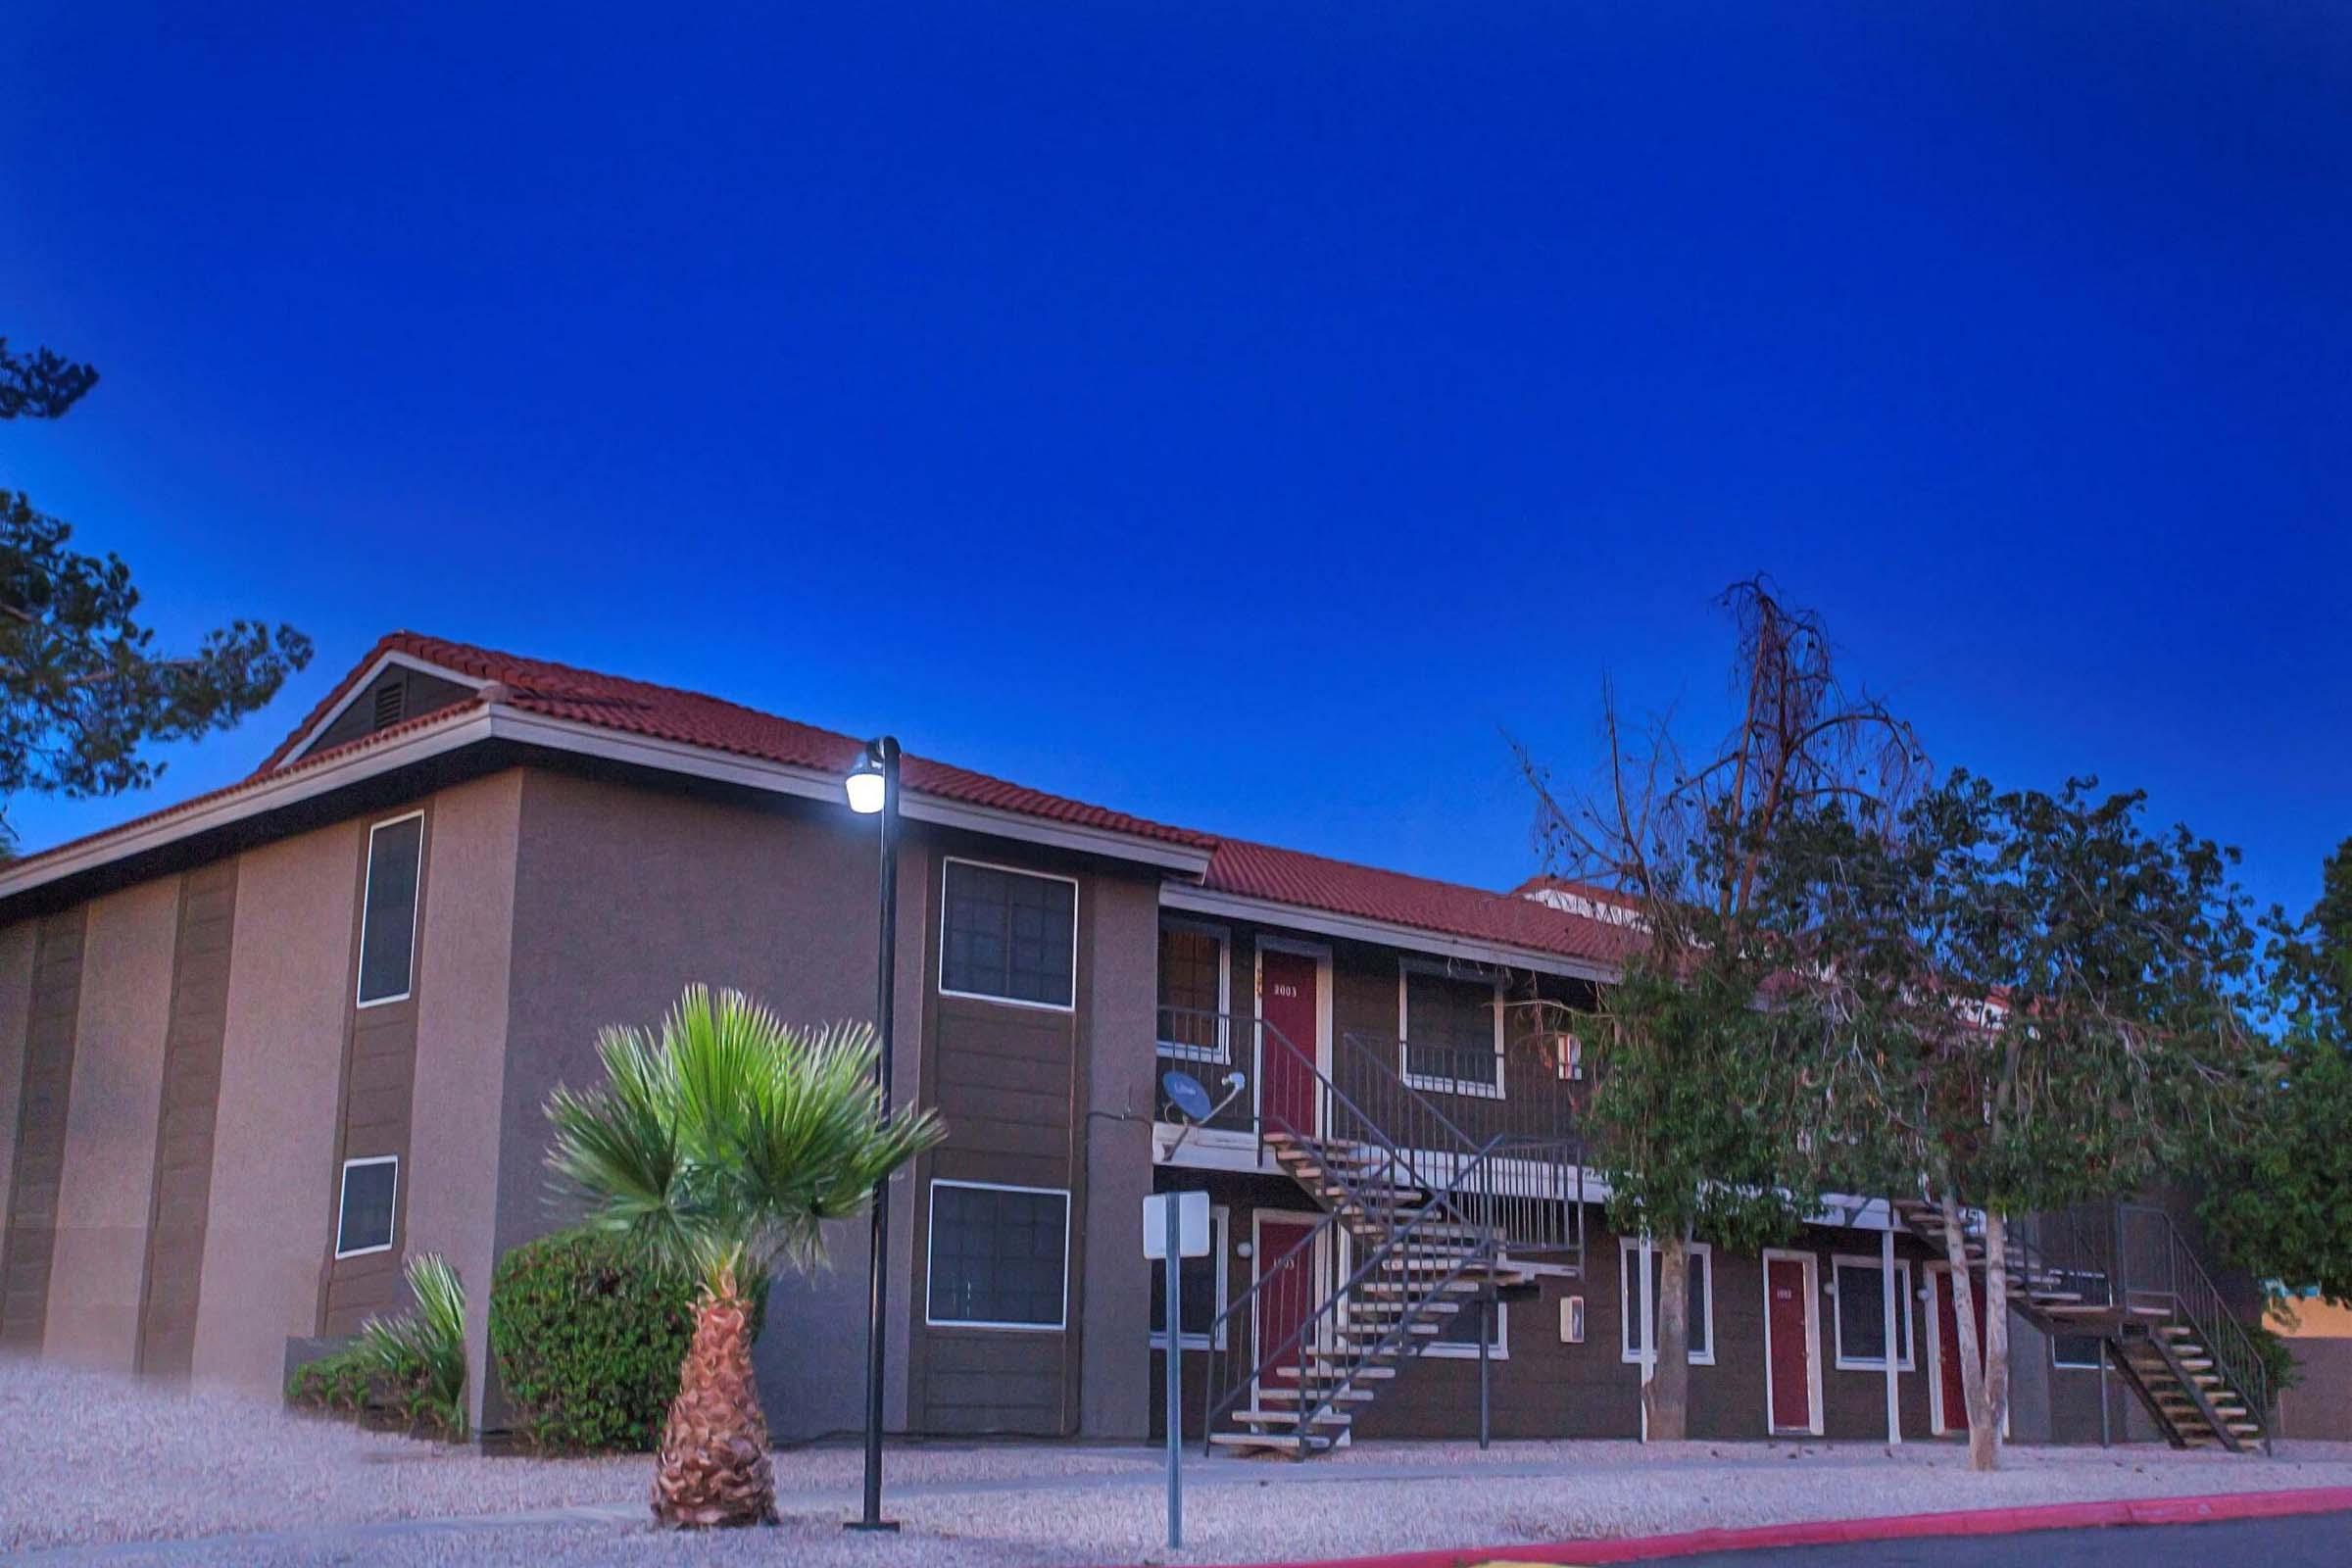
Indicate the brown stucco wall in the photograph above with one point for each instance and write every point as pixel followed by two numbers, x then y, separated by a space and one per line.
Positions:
pixel 108 1179
pixel 1123 952
pixel 16 1014
pixel 463 955
pixel 274 1162
pixel 623 895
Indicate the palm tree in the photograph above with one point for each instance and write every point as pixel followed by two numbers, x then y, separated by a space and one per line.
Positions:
pixel 723 1145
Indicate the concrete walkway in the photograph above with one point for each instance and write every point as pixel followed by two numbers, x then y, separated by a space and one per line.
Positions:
pixel 96 1471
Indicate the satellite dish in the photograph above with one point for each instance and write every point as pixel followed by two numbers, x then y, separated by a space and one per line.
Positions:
pixel 1185 1093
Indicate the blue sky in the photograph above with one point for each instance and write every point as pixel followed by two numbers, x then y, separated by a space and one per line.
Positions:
pixel 1237 414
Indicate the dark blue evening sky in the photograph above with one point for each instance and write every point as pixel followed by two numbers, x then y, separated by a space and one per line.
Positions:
pixel 1235 413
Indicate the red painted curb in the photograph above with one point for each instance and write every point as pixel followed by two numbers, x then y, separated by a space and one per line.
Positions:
pixel 1893 1527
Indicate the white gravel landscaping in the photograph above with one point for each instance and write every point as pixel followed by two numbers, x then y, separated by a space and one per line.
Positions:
pixel 94 1470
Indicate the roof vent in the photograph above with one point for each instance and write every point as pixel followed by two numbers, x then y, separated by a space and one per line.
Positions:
pixel 391 703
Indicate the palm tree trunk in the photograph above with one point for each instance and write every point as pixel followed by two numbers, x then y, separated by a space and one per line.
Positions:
pixel 713 1467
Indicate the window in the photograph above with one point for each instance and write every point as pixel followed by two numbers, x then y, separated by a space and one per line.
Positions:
pixel 1009 936
pixel 1458 1332
pixel 1192 994
pixel 2080 1352
pixel 1702 1299
pixel 388 914
pixel 364 1213
pixel 1203 1281
pixel 1453 1031
pixel 1860 1288
pixel 999 1256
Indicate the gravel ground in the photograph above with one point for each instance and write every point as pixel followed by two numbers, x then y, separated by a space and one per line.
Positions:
pixel 94 1470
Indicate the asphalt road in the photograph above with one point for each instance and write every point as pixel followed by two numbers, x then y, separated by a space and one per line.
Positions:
pixel 2310 1541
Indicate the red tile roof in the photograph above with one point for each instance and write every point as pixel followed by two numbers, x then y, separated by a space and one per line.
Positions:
pixel 1393 898
pixel 665 713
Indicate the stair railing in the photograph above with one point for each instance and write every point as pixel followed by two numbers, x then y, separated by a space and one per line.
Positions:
pixel 2174 1273
pixel 1424 1246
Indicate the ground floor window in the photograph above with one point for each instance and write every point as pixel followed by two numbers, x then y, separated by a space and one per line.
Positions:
pixel 999 1257
pixel 1629 1299
pixel 1859 1285
pixel 1458 1332
pixel 363 1210
pixel 1202 1281
pixel 2080 1352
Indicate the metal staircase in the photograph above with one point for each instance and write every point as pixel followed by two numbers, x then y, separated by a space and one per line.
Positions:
pixel 1418 1221
pixel 2124 1274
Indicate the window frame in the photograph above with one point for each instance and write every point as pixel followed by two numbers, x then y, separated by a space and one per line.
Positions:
pixel 343 1205
pixel 931 1255
pixel 941 973
pixel 1219 1054
pixel 2061 1364
pixel 1220 1248
pixel 1467 1349
pixel 358 978
pixel 1628 1299
pixel 1435 1083
pixel 1908 1339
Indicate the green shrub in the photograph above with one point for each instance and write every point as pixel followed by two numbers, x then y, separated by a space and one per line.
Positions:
pixel 409 1370
pixel 588 1335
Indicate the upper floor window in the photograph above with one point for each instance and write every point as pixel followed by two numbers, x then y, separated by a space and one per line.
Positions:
pixel 365 1208
pixel 388 912
pixel 1452 1030
pixel 1193 999
pixel 1011 936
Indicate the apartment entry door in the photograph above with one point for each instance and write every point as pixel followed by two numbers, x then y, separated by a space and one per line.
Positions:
pixel 1790 1376
pixel 1951 1401
pixel 1289 1280
pixel 1290 1001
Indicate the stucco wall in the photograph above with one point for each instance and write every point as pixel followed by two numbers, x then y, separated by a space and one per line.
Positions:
pixel 109 1173
pixel 464 943
pixel 622 897
pixel 16 1016
pixel 272 1188
pixel 1114 1296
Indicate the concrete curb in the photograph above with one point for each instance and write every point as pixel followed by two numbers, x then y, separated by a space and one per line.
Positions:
pixel 1893 1526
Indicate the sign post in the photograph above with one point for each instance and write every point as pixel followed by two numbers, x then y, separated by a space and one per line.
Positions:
pixel 1175 1228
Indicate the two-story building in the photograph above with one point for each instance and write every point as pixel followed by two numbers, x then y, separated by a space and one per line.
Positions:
pixel 259 1046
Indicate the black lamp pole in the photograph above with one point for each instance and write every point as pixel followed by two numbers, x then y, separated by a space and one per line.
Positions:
pixel 881 756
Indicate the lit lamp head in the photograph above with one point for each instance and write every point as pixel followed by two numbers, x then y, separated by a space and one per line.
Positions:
pixel 865 784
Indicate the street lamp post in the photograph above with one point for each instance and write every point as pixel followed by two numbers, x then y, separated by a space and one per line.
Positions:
pixel 873 790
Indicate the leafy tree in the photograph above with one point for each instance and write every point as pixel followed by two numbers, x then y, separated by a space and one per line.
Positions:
pixel 2281 1203
pixel 82 687
pixel 2029 1001
pixel 722 1145
pixel 1696 1115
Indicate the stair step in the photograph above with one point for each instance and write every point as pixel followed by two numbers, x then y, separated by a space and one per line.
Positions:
pixel 1290 1419
pixel 1267 1440
pixel 1281 1391
pixel 1334 1369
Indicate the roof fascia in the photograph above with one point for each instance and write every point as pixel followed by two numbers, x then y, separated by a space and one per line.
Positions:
pixel 1359 928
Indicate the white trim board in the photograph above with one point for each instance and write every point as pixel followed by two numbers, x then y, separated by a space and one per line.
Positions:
pixel 391 659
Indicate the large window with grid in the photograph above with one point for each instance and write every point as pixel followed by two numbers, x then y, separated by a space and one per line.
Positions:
pixel 1451 1029
pixel 1009 936
pixel 1192 993
pixel 999 1257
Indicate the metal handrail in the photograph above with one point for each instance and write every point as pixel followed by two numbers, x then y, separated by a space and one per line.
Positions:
pixel 2197 1299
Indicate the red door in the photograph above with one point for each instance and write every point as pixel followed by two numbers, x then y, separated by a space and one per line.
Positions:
pixel 1947 1344
pixel 1289 1296
pixel 1789 1346
pixel 1286 1074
